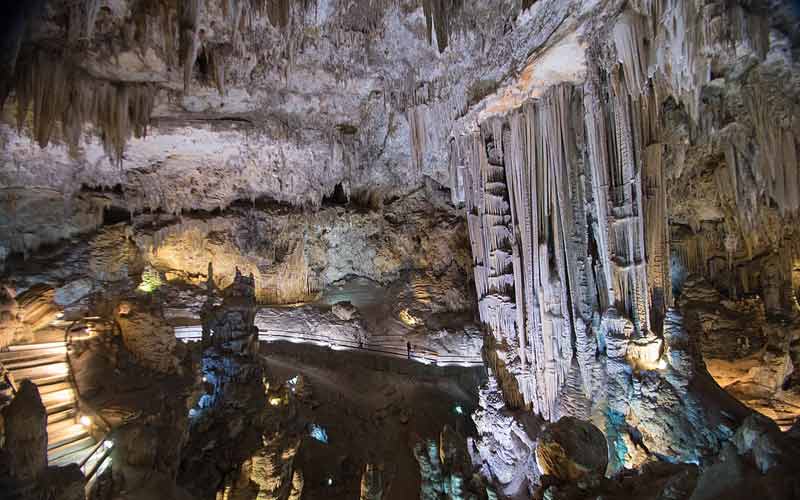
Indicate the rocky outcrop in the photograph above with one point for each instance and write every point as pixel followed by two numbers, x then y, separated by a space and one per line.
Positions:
pixel 293 255
pixel 148 337
pixel 571 449
pixel 24 473
pixel 231 325
pixel 748 352
pixel 446 469
pixel 747 466
pixel 25 426
pixel 505 446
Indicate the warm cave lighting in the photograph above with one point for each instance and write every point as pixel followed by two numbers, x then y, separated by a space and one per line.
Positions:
pixel 85 420
pixel 662 364
pixel 407 318
pixel 275 401
pixel 151 280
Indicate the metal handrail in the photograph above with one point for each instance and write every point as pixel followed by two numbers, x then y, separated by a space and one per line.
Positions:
pixel 422 355
pixel 68 341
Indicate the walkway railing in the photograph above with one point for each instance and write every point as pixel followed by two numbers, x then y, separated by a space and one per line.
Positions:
pixel 99 458
pixel 425 356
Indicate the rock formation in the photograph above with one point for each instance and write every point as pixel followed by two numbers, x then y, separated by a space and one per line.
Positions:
pixel 598 200
pixel 571 449
pixel 23 456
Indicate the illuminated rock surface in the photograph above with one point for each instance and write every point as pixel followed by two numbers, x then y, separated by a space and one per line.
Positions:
pixel 386 249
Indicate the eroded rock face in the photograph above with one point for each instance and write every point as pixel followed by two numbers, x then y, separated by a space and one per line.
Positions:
pixel 746 467
pixel 24 473
pixel 295 254
pixel 25 426
pixel 506 443
pixel 571 449
pixel 148 337
pixel 748 352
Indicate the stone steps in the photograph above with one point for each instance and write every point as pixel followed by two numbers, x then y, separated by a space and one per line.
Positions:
pixel 45 364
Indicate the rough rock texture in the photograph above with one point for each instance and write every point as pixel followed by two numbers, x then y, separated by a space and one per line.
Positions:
pixel 605 154
pixel 747 467
pixel 749 354
pixel 9 314
pixel 25 426
pixel 148 337
pixel 571 449
pixel 446 469
pixel 294 254
pixel 506 443
pixel 243 104
pixel 36 309
pixel 232 417
pixel 24 473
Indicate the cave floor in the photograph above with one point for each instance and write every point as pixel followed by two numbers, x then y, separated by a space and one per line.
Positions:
pixel 374 409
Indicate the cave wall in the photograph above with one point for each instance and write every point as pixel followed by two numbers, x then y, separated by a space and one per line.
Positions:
pixel 589 203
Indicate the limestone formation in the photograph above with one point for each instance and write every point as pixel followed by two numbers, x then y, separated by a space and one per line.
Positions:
pixel 24 473
pixel 596 200
pixel 148 337
pixel 25 446
pixel 571 449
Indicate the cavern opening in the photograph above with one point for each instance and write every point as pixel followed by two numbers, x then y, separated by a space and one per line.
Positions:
pixel 396 249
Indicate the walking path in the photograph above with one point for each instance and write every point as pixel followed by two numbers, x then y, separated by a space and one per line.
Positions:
pixel 46 364
pixel 194 334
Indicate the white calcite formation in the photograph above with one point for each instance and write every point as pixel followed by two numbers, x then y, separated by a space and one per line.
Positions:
pixel 567 201
pixel 625 175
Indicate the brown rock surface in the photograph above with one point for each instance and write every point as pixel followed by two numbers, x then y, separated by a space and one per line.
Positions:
pixel 571 449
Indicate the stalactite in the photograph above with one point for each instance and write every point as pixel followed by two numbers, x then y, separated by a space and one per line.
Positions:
pixel 438 19
pixel 189 19
pixel 82 16
pixel 212 61
pixel 525 199
pixel 776 169
pixel 51 91
pixel 657 234
pixel 279 12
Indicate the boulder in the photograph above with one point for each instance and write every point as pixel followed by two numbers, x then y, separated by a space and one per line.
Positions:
pixel 148 337
pixel 25 447
pixel 571 449
pixel 344 310
pixel 759 437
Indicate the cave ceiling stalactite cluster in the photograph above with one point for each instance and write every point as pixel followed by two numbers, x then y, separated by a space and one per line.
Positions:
pixel 388 249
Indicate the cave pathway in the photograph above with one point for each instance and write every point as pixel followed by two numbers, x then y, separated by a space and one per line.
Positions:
pixel 45 362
